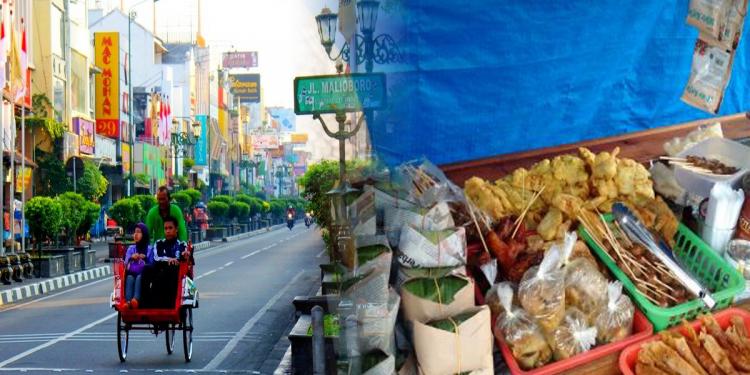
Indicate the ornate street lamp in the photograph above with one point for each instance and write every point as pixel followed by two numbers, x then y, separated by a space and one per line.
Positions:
pixel 181 140
pixel 381 49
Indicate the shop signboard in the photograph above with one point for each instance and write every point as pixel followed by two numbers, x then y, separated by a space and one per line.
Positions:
pixel 265 142
pixel 85 130
pixel 246 87
pixel 107 58
pixel 246 60
pixel 70 145
pixel 106 150
pixel 23 179
pixel 201 146
pixel 299 138
pixel 125 158
pixel 332 93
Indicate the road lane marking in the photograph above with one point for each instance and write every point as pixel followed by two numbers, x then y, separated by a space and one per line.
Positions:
pixel 205 274
pixel 13 307
pixel 58 339
pixel 224 353
pixel 251 254
pixel 227 264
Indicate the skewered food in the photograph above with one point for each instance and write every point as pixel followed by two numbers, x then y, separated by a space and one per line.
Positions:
pixel 713 165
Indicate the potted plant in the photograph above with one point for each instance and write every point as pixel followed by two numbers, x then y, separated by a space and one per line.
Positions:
pixel 44 217
pixel 127 213
pixel 240 211
pixel 92 212
pixel 72 207
pixel 218 211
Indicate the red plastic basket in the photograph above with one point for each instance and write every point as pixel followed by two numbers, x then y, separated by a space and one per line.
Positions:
pixel 629 356
pixel 642 330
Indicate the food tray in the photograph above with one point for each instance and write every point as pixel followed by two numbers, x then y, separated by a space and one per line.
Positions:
pixel 724 150
pixel 702 262
pixel 629 356
pixel 642 330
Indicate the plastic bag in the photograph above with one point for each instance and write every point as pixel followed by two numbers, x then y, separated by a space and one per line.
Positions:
pixel 615 319
pixel 427 184
pixel 585 287
pixel 706 15
pixel 574 336
pixel 520 332
pixel 492 297
pixel 437 217
pixel 709 75
pixel 542 291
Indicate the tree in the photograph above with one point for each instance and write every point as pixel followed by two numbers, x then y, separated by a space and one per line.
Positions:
pixel 44 216
pixel 92 185
pixel 195 196
pixel 127 213
pixel 92 211
pixel 239 210
pixel 146 201
pixel 187 163
pixel 183 200
pixel 218 210
pixel 223 198
pixel 51 177
pixel 317 181
pixel 181 182
pixel 73 207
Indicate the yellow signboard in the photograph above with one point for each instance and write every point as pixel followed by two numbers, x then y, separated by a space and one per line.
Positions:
pixel 23 179
pixel 299 138
pixel 107 58
pixel 125 158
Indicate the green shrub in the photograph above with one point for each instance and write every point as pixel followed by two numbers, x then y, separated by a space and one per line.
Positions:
pixel 93 184
pixel 223 198
pixel 90 217
pixel 183 200
pixel 44 216
pixel 244 198
pixel 239 210
pixel 195 196
pixel 73 213
pixel 127 213
pixel 146 201
pixel 218 210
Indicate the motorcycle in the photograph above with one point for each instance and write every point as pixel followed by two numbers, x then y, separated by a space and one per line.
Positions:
pixel 308 220
pixel 289 221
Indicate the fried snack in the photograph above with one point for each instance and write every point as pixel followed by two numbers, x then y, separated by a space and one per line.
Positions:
pixel 614 320
pixel 648 369
pixel 548 226
pixel 679 344
pixel 717 353
pixel 542 292
pixel 737 335
pixel 520 332
pixel 703 357
pixel 574 336
pixel 737 357
pixel 585 288
pixel 665 358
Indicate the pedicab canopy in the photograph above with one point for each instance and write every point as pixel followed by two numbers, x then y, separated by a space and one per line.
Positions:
pixel 488 77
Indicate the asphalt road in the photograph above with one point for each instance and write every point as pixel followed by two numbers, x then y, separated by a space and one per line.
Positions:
pixel 246 288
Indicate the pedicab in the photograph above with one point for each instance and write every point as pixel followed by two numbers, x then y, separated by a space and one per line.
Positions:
pixel 178 318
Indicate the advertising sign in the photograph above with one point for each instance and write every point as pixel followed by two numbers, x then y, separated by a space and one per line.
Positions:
pixel 285 119
pixel 265 142
pixel 245 86
pixel 85 135
pixel 201 147
pixel 106 149
pixel 107 58
pixel 299 138
pixel 23 179
pixel 125 158
pixel 240 60
pixel 331 93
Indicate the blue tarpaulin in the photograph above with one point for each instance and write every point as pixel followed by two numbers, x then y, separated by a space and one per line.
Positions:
pixel 486 77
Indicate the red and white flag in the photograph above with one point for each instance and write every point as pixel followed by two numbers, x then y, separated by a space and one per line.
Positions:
pixel 24 61
pixel 3 48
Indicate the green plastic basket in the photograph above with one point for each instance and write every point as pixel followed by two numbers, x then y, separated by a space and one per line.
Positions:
pixel 723 280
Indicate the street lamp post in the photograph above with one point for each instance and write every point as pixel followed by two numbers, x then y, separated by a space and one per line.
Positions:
pixel 181 140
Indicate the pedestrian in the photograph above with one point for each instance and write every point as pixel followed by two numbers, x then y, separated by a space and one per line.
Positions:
pixel 163 210
pixel 138 257
pixel 168 252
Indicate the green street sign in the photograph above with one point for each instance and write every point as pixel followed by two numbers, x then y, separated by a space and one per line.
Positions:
pixel 333 93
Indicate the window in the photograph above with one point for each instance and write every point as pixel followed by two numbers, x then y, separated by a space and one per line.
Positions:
pixel 58 37
pixel 79 72
pixel 58 87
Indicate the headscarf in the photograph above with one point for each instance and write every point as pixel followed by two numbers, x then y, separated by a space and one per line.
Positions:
pixel 142 245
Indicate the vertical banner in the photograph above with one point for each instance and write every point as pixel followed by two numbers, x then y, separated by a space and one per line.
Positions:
pixel 125 158
pixel 107 58
pixel 201 147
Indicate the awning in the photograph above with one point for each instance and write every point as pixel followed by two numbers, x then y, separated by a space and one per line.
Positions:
pixel 17 159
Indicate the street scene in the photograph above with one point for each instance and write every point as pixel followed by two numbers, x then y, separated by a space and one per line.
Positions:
pixel 377 187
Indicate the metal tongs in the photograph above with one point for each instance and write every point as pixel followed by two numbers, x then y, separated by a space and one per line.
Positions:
pixel 637 232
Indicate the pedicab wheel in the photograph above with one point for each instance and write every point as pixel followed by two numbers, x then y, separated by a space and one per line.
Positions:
pixel 169 335
pixel 187 333
pixel 123 335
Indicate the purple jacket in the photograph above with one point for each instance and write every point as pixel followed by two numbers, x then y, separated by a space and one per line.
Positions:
pixel 136 267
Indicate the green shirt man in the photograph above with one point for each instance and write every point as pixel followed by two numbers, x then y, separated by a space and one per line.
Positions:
pixel 156 215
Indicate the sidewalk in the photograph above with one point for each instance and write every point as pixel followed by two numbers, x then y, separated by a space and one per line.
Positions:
pixel 29 288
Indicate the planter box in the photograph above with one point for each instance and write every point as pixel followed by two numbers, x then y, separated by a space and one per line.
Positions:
pixel 88 259
pixel 216 233
pixel 302 348
pixel 303 304
pixel 117 249
pixel 195 236
pixel 72 257
pixel 50 265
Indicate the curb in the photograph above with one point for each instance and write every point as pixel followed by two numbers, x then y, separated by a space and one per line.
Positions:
pixel 43 287
pixel 201 245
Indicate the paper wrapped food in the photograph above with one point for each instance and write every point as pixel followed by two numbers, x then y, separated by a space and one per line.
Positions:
pixel 520 332
pixel 435 218
pixel 405 274
pixel 585 287
pixel 615 319
pixel 378 363
pixel 574 335
pixel 377 323
pixel 456 344
pixel 369 287
pixel 373 252
pixel 427 299
pixel 362 215
pixel 542 291
pixel 432 249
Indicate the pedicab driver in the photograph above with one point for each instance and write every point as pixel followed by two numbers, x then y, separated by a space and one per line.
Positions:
pixel 168 252
pixel 157 215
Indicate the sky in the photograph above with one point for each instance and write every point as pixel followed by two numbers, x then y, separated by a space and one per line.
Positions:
pixel 283 32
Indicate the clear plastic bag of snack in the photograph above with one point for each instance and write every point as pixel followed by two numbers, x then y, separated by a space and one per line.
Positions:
pixel 574 336
pixel 542 291
pixel 615 319
pixel 492 297
pixel 585 287
pixel 519 331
